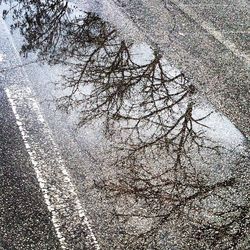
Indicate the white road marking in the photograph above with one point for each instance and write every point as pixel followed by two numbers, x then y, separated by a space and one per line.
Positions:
pixel 213 31
pixel 207 26
pixel 68 216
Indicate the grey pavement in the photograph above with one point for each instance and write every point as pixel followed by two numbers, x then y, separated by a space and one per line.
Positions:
pixel 82 169
pixel 73 148
pixel 208 41
pixel 25 222
pixel 34 179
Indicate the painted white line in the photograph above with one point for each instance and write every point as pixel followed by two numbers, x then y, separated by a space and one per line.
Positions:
pixel 218 35
pixel 207 26
pixel 71 225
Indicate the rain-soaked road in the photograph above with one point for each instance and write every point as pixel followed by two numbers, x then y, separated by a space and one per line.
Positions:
pixel 208 40
pixel 28 201
pixel 25 222
pixel 40 208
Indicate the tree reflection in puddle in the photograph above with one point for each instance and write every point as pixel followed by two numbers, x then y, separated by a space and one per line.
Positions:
pixel 174 187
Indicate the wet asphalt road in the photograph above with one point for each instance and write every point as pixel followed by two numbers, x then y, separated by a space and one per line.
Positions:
pixel 25 221
pixel 208 41
pixel 17 168
pixel 41 194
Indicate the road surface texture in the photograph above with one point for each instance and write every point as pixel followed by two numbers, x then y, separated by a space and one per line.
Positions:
pixel 75 147
pixel 24 218
pixel 208 41
pixel 40 208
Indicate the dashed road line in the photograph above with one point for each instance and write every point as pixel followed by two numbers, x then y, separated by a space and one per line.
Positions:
pixel 68 216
